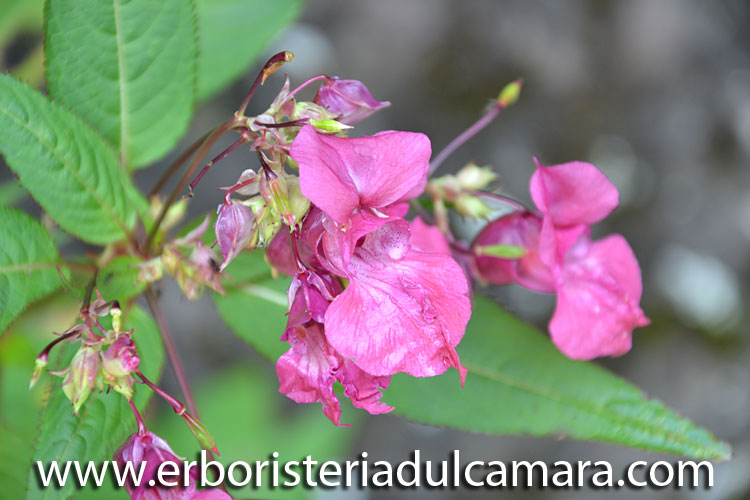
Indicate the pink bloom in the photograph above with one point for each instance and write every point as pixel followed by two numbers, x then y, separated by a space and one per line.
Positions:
pixel 598 283
pixel 356 181
pixel 404 310
pixel 349 99
pixel 234 228
pixel 428 238
pixel 121 358
pixel 309 296
pixel 308 370
pixel 153 450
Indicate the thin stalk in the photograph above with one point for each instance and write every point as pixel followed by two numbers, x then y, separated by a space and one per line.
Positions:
pixel 244 138
pixel 465 136
pixel 305 84
pixel 175 166
pixel 138 418
pixel 268 69
pixel 169 345
pixel 200 154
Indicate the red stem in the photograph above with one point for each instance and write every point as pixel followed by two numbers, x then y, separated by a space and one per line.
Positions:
pixel 244 138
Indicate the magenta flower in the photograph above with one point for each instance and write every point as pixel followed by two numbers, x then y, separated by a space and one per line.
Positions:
pixel 428 238
pixel 361 183
pixel 348 99
pixel 121 358
pixel 309 368
pixel 234 228
pixel 598 283
pixel 150 448
pixel 404 310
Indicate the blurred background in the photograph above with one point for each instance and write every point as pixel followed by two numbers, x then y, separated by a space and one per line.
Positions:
pixel 656 93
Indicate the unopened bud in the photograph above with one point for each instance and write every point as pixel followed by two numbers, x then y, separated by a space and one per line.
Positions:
pixel 472 177
pixel 121 358
pixel 275 63
pixel 39 365
pixel 311 111
pixel 510 93
pixel 471 206
pixel 81 376
pixel 500 251
pixel 233 228
pixel 200 432
pixel 349 100
pixel 329 126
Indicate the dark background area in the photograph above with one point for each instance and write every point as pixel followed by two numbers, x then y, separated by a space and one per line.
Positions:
pixel 656 93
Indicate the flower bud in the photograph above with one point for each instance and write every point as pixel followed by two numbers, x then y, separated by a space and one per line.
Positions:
pixel 348 99
pixel 121 358
pixel 39 365
pixel 510 93
pixel 81 376
pixel 233 227
pixel 472 177
pixel 274 190
pixel 329 126
pixel 471 206
pixel 200 432
pixel 311 111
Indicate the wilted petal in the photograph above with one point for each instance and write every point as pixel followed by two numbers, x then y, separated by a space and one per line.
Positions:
pixel 597 302
pixel 404 310
pixel 305 371
pixel 233 227
pixel 573 193
pixel 340 175
pixel 349 99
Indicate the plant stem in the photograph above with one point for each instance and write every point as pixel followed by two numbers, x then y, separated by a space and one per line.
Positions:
pixel 169 345
pixel 201 153
pixel 465 136
pixel 138 418
pixel 305 84
pixel 271 65
pixel 175 166
pixel 244 138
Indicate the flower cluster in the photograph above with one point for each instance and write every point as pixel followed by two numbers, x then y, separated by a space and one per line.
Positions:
pixel 598 283
pixel 374 294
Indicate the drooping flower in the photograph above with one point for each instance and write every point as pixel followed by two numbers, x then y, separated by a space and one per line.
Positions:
pixel 149 448
pixel 349 100
pixel 598 283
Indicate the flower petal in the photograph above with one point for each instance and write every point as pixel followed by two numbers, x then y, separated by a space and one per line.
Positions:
pixel 428 238
pixel 597 302
pixel 400 315
pixel 573 193
pixel 340 175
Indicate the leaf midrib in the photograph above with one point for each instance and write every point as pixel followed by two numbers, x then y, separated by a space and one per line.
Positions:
pixel 122 80
pixel 89 189
pixel 496 377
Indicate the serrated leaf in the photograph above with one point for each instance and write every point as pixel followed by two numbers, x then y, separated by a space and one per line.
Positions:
pixel 119 279
pixel 255 304
pixel 519 383
pixel 233 33
pixel 127 67
pixel 65 166
pixel 28 264
pixel 105 420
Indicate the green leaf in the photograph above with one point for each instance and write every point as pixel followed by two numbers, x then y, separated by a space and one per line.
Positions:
pixel 255 304
pixel 17 16
pixel 241 407
pixel 519 383
pixel 126 67
pixel 65 166
pixel 233 33
pixel 118 279
pixel 28 264
pixel 105 420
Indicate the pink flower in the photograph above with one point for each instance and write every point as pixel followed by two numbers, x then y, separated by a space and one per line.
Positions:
pixel 404 310
pixel 361 183
pixel 150 448
pixel 121 358
pixel 308 370
pixel 428 238
pixel 349 99
pixel 234 228
pixel 598 283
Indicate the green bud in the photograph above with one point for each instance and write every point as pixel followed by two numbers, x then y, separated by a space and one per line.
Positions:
pixel 510 93
pixel 39 365
pixel 81 376
pixel 471 206
pixel 329 126
pixel 200 432
pixel 501 251
pixel 474 177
